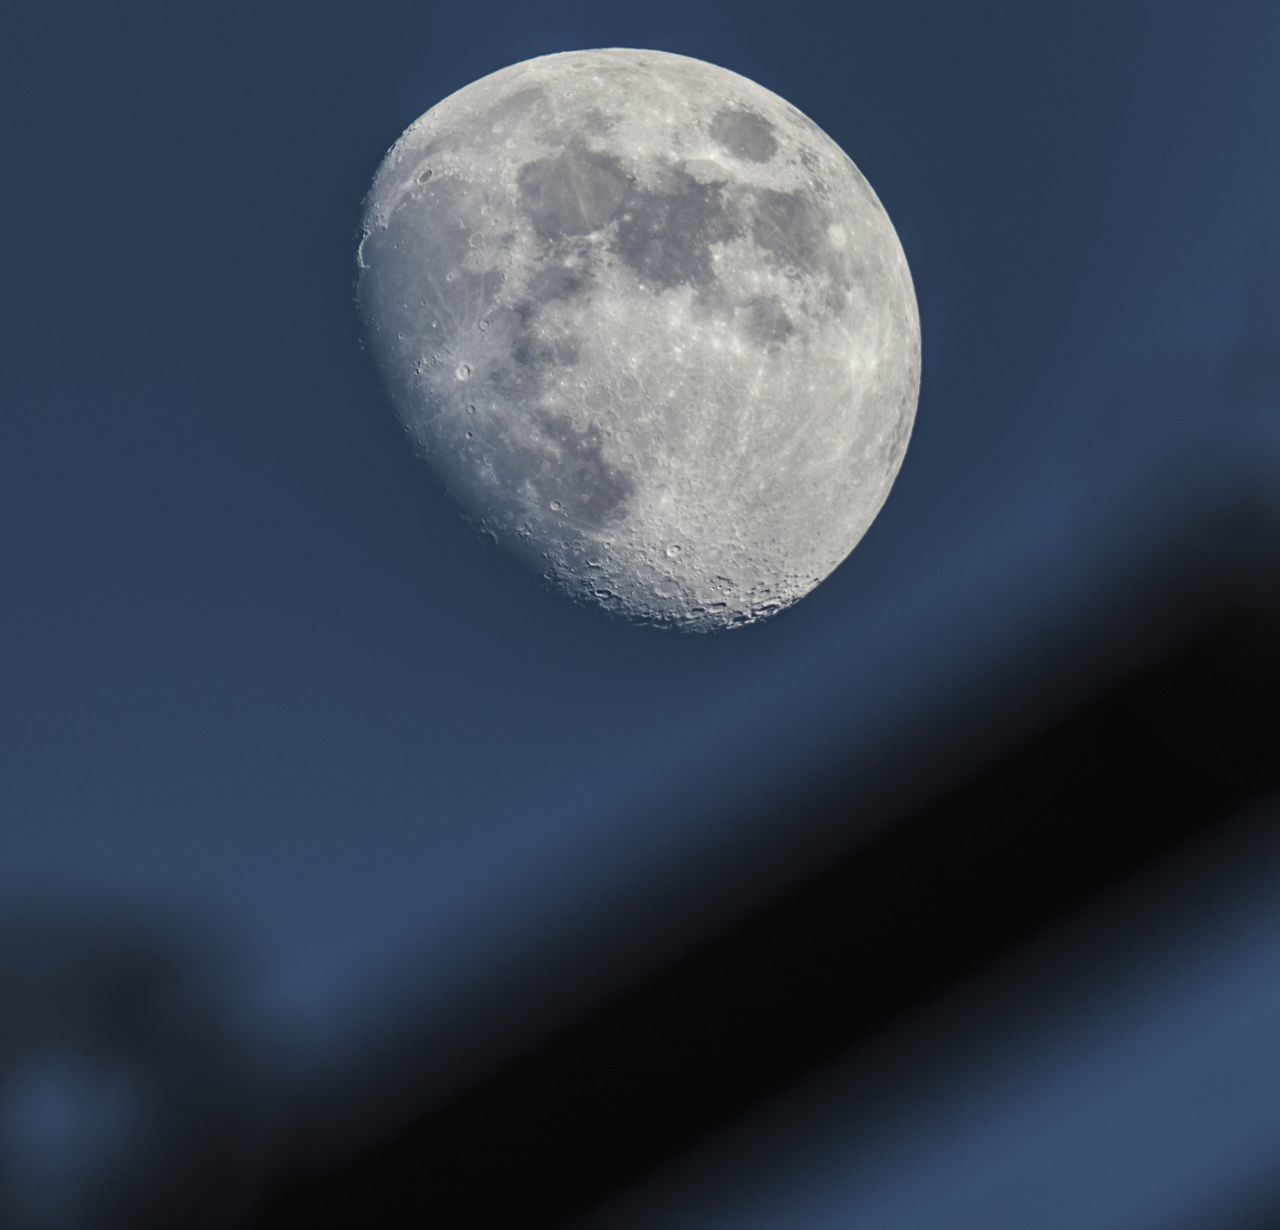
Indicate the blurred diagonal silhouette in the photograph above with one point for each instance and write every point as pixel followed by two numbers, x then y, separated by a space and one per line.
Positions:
pixel 1158 755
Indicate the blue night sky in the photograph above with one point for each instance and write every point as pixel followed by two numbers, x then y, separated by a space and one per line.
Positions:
pixel 257 676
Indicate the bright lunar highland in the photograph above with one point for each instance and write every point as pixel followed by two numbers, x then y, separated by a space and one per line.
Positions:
pixel 650 326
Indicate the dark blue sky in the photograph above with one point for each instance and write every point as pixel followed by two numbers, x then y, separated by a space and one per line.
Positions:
pixel 256 671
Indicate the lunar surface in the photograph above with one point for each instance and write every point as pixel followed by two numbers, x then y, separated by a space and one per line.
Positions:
pixel 649 325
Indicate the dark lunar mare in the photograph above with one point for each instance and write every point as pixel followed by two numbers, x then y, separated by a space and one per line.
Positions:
pixel 744 134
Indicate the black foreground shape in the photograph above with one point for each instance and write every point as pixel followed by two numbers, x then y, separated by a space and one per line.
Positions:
pixel 1166 753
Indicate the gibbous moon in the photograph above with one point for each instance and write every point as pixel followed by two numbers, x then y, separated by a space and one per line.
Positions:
pixel 649 325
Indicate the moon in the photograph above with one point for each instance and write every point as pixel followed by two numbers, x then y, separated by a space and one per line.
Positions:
pixel 649 325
